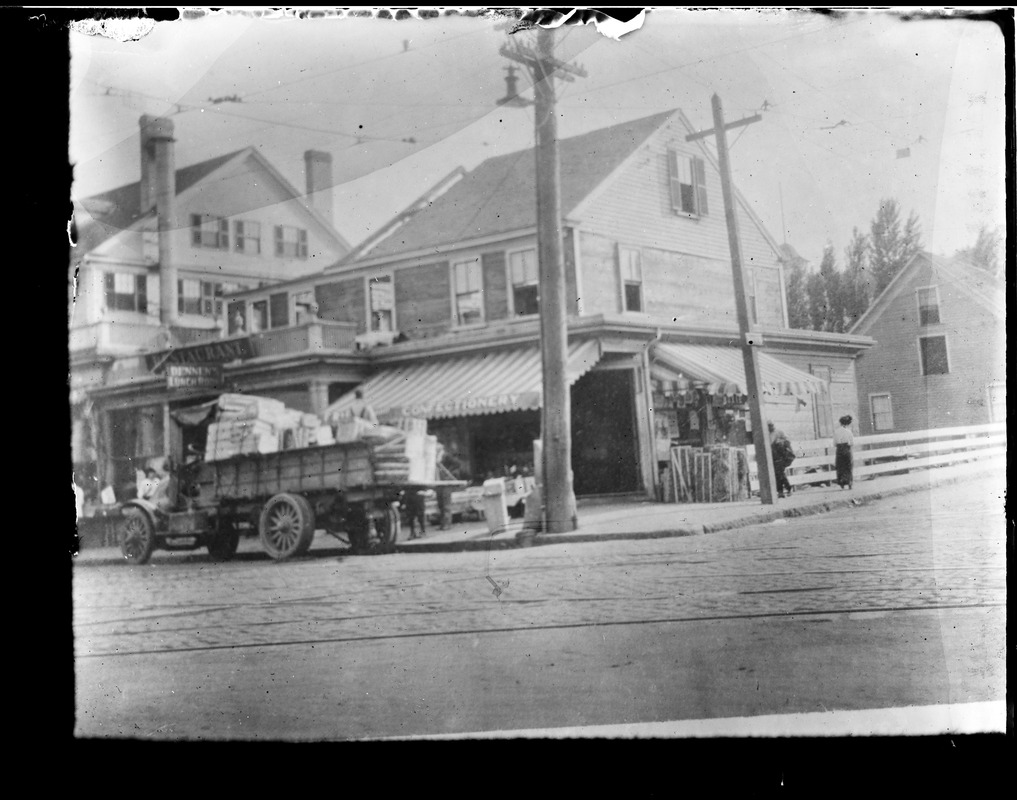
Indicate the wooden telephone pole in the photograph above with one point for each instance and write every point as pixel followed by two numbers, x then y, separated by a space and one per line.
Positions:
pixel 556 414
pixel 749 340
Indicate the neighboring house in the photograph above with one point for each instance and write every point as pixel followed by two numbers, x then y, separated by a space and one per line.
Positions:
pixel 939 360
pixel 450 287
pixel 154 261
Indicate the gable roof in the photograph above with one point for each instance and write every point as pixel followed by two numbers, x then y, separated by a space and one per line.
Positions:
pixel 118 209
pixel 967 278
pixel 497 196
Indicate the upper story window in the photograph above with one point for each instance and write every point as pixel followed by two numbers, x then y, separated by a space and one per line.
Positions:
pixel 882 412
pixel 935 360
pixel 247 237
pixel 687 178
pixel 126 292
pixel 469 287
pixel 525 284
pixel 928 305
pixel 290 242
pixel 210 231
pixel 382 305
pixel 630 266
pixel 259 316
pixel 203 298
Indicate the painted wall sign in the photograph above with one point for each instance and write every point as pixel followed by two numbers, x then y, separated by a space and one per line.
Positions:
pixel 220 352
pixel 463 406
pixel 194 376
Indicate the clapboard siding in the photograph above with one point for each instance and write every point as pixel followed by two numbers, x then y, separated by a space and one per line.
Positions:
pixel 635 208
pixel 342 301
pixel 975 340
pixel 843 395
pixel 423 300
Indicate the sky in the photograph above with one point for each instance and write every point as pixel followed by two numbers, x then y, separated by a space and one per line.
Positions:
pixel 856 106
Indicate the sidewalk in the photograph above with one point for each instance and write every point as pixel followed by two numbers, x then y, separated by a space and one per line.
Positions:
pixel 646 519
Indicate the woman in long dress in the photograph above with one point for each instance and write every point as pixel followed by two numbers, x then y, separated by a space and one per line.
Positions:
pixel 843 439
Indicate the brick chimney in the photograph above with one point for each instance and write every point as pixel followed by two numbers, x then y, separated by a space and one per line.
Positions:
pixel 159 189
pixel 318 170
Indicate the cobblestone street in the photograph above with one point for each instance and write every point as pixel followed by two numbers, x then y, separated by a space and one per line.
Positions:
pixel 907 555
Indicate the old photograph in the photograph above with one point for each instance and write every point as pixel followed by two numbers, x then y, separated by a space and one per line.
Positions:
pixel 635 373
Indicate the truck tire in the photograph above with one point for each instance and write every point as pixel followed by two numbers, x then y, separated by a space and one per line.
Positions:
pixel 224 546
pixel 136 535
pixel 286 526
pixel 389 528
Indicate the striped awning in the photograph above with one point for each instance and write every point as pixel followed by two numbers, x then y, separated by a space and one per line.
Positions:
pixel 488 383
pixel 721 371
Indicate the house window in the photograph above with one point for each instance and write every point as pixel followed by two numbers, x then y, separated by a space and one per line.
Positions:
pixel 882 412
pixel 935 360
pixel 382 306
pixel 687 178
pixel 750 297
pixel 630 266
pixel 247 237
pixel 469 287
pixel 928 306
pixel 259 316
pixel 821 403
pixel 203 298
pixel 290 242
pixel 525 289
pixel 126 292
pixel 209 231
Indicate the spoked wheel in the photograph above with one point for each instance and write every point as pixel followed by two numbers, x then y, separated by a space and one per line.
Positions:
pixel 224 546
pixel 136 535
pixel 389 527
pixel 286 526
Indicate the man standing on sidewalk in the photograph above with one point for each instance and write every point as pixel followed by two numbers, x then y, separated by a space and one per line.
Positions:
pixel 783 454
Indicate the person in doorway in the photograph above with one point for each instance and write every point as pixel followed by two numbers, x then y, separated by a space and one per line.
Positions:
pixel 782 454
pixel 362 409
pixel 843 440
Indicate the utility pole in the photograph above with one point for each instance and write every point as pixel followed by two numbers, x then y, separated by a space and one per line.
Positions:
pixel 556 413
pixel 749 340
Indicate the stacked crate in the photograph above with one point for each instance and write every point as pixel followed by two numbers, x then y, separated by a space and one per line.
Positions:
pixel 250 424
pixel 707 475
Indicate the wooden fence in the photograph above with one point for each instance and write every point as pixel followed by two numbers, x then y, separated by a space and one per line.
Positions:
pixel 891 453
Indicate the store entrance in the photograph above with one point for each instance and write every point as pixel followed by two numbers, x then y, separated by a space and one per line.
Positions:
pixel 604 441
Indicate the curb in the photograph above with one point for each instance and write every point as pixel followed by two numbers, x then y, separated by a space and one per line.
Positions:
pixel 759 518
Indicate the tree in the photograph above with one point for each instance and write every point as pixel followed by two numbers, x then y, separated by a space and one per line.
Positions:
pixel 986 250
pixel 795 272
pixel 892 248
pixel 857 284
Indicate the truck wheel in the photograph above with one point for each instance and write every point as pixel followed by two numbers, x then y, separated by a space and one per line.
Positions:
pixel 286 526
pixel 390 528
pixel 136 535
pixel 224 546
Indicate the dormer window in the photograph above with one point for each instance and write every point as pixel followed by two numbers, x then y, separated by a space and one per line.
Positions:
pixel 290 242
pixel 928 306
pixel 687 178
pixel 210 231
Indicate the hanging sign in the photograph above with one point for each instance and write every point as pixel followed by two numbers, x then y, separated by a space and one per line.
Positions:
pixel 217 352
pixel 194 376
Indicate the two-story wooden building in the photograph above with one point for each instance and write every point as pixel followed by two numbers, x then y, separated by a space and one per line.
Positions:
pixel 940 355
pixel 152 266
pixel 443 304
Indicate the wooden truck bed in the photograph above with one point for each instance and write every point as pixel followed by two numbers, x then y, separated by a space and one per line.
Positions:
pixel 333 467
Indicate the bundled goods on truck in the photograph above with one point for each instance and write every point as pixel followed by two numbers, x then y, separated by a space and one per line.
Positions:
pixel 250 424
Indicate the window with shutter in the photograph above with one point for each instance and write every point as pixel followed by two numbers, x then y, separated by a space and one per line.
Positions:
pixel 525 283
pixel 687 183
pixel 125 292
pixel 290 242
pixel 210 231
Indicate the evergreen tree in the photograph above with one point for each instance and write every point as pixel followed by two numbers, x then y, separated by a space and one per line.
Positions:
pixel 892 247
pixel 815 292
pixel 795 273
pixel 986 250
pixel 857 283
pixel 833 295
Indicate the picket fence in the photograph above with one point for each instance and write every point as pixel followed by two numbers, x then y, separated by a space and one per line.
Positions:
pixel 891 453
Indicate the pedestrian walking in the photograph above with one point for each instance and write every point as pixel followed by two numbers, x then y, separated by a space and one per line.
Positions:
pixel 782 454
pixel 843 440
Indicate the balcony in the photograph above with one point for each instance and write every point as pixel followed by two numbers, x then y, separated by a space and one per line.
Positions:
pixel 129 338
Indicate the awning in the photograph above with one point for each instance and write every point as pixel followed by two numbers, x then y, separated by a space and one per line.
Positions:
pixel 489 383
pixel 721 371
